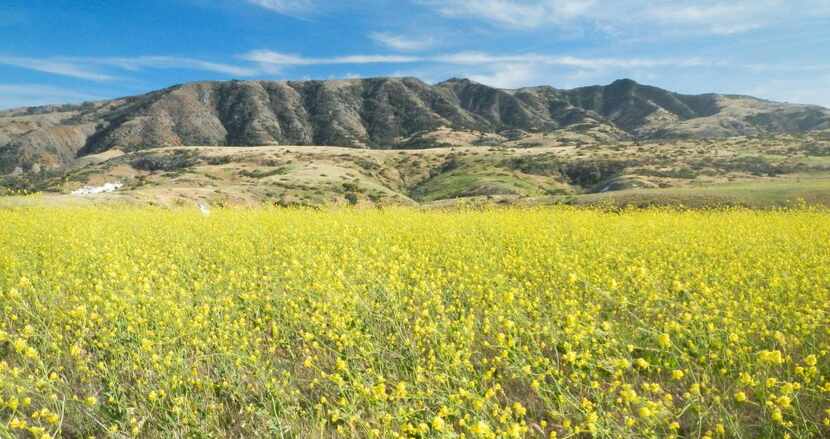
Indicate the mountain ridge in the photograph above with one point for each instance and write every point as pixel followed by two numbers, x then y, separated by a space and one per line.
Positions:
pixel 383 113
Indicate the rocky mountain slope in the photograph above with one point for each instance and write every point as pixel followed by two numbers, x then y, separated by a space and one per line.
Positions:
pixel 383 113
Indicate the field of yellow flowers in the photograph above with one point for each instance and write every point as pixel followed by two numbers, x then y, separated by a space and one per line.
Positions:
pixel 141 322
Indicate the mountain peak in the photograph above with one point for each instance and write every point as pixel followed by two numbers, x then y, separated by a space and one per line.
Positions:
pixel 458 81
pixel 624 83
pixel 378 112
pixel 455 79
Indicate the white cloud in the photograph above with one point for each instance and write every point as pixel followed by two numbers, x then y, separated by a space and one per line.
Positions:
pixel 56 67
pixel 268 57
pixel 271 57
pixel 508 76
pixel 283 59
pixel 513 13
pixel 717 18
pixel 170 62
pixel 481 58
pixel 633 16
pixel 795 90
pixel 91 68
pixel 498 70
pixel 25 95
pixel 402 42
pixel 371 59
pixel 285 7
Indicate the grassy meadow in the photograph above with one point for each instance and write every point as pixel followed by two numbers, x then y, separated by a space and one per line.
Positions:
pixel 294 323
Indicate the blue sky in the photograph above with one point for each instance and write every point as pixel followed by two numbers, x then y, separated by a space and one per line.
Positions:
pixel 55 51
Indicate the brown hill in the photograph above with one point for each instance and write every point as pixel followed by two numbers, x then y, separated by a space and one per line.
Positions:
pixel 383 113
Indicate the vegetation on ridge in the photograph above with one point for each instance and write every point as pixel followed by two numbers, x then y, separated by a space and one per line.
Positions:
pixel 706 170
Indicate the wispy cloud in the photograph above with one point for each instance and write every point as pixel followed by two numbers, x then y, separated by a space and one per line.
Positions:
pixel 285 7
pixel 498 70
pixel 100 68
pixel 479 58
pixel 269 57
pixel 402 42
pixel 507 76
pixel 514 71
pixel 796 90
pixel 284 59
pixel 723 17
pixel 717 18
pixel 21 95
pixel 514 13
pixel 170 62
pixel 60 67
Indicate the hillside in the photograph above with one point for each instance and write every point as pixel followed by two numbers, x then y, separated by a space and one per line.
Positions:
pixel 756 171
pixel 384 113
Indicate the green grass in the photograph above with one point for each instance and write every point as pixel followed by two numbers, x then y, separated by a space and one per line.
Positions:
pixel 757 194
pixel 460 183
